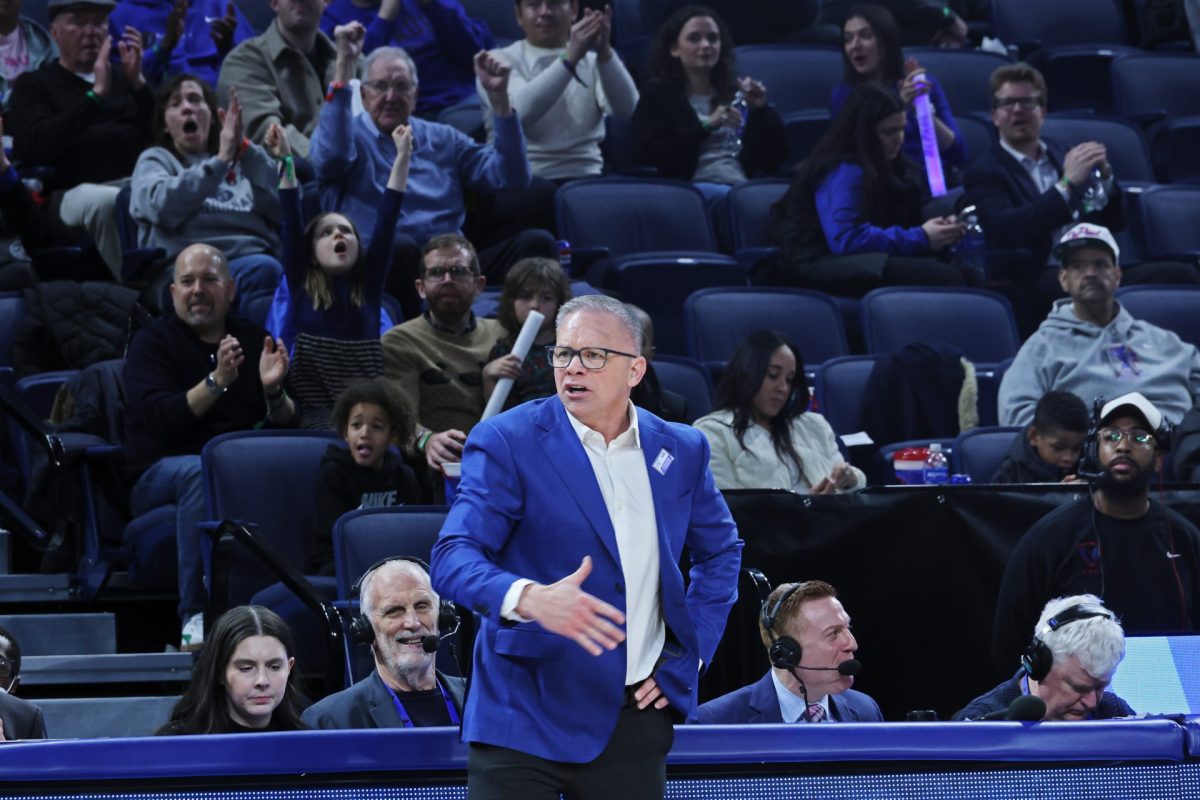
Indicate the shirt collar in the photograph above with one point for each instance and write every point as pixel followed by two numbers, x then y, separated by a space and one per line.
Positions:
pixel 791 706
pixel 1023 159
pixel 630 438
pixel 443 329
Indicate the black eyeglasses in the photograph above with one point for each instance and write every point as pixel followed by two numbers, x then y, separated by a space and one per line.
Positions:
pixel 591 357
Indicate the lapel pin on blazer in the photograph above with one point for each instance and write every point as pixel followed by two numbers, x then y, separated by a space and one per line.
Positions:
pixel 663 462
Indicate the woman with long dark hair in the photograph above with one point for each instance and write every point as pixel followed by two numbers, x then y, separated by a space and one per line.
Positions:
pixel 762 435
pixel 851 219
pixel 685 113
pixel 871 51
pixel 242 682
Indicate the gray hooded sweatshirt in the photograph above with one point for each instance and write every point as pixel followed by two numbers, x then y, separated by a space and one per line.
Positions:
pixel 1126 355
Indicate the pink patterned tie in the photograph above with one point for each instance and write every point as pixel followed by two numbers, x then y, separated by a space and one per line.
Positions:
pixel 815 713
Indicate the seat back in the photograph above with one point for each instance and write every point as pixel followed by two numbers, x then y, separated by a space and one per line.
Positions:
pixel 1047 23
pixel 1168 216
pixel 660 283
pixel 979 452
pixel 267 478
pixel 839 391
pixel 633 215
pixel 687 378
pixel 978 135
pixel 717 320
pixel 12 311
pixel 498 17
pixel 798 77
pixel 750 211
pixel 1157 83
pixel 1127 150
pixel 979 323
pixel 963 75
pixel 1170 307
pixel 1080 76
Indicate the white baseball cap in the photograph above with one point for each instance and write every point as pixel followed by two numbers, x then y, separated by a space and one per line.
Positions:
pixel 1136 401
pixel 1084 234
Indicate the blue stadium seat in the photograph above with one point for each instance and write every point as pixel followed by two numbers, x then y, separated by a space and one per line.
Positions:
pixel 12 311
pixel 1049 23
pixel 801 131
pixel 750 218
pixel 798 77
pixel 1151 86
pixel 716 321
pixel 1127 150
pixel 1177 150
pixel 977 322
pixel 660 283
pixel 987 382
pixel 1172 307
pixel 1080 76
pixel 1168 216
pixel 498 17
pixel 839 391
pixel 979 452
pixel 978 134
pixel 268 479
pixel 687 378
pixel 466 117
pixel 963 75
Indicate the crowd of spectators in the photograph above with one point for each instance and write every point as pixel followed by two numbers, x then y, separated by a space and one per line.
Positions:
pixel 303 169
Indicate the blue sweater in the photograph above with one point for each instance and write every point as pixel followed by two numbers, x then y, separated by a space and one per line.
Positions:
pixel 195 53
pixel 292 311
pixel 440 37
pixel 353 160
pixel 839 207
pixel 956 156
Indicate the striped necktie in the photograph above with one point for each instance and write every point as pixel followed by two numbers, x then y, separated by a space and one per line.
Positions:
pixel 814 713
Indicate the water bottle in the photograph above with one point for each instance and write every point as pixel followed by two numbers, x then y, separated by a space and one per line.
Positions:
pixel 731 138
pixel 970 254
pixel 936 470
pixel 1094 196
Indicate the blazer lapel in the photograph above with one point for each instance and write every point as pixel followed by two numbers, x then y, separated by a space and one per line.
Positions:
pixel 764 700
pixel 573 470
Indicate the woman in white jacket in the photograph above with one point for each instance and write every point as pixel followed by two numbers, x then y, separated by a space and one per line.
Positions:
pixel 762 436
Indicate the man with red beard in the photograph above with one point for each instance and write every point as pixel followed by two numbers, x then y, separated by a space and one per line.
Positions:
pixel 1141 558
pixel 189 377
pixel 437 359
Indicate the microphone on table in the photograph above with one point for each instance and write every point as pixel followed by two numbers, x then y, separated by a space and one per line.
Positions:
pixel 1026 708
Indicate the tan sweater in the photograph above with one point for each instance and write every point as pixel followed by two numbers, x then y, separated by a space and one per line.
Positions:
pixel 440 373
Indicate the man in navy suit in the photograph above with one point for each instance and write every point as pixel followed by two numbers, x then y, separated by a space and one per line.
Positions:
pixel 807 635
pixel 573 675
pixel 1029 190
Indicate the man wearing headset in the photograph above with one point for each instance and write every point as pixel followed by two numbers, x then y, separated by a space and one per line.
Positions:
pixel 807 635
pixel 1076 648
pixel 401 618
pixel 1141 558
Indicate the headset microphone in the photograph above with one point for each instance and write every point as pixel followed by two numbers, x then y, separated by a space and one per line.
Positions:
pixel 430 643
pixel 850 666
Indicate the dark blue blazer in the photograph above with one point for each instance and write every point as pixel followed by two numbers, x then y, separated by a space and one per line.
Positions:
pixel 1016 216
pixel 528 506
pixel 367 704
pixel 757 704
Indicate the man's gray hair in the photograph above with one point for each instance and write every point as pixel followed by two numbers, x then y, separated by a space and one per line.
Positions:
pixel 390 52
pixel 603 304
pixel 365 602
pixel 1098 643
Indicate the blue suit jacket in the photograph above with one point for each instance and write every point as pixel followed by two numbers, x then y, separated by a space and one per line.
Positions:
pixel 757 704
pixel 528 506
pixel 1015 215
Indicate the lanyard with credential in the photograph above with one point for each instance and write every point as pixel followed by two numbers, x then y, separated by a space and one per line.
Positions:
pixel 406 722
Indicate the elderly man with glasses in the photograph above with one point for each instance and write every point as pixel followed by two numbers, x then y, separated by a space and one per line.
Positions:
pixel 353 157
pixel 437 358
pixel 1118 543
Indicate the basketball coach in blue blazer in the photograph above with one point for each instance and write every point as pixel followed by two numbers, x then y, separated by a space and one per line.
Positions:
pixel 807 635
pixel 565 538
